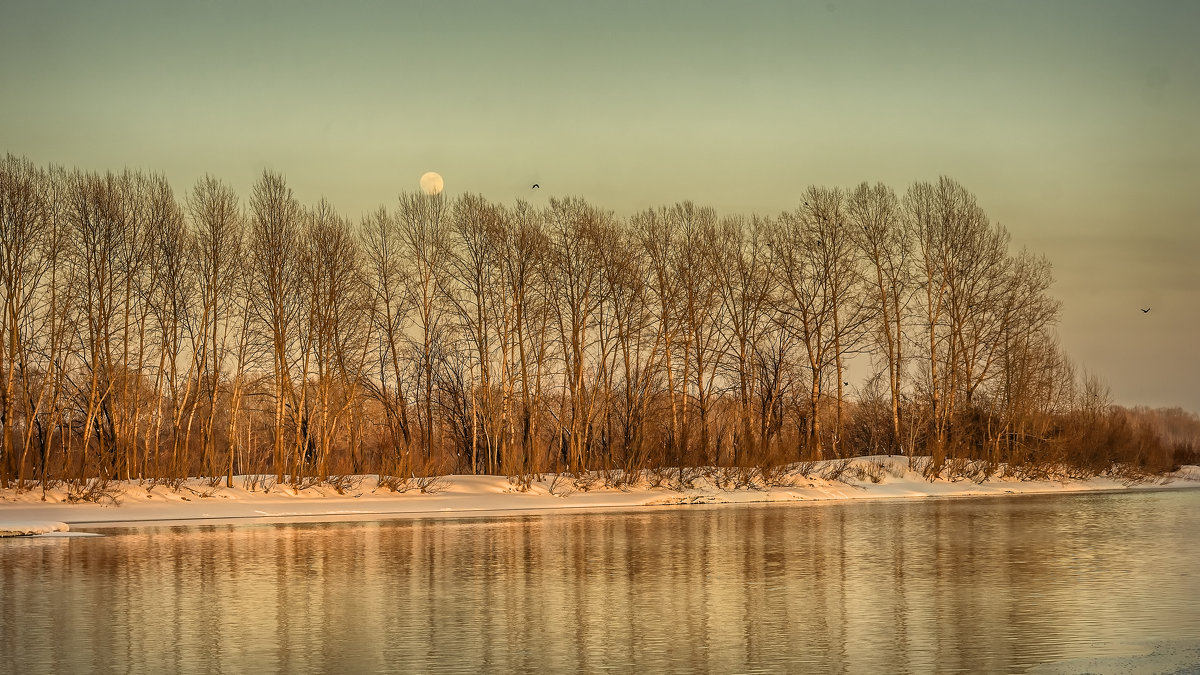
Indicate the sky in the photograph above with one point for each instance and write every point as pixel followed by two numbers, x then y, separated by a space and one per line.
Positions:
pixel 1076 124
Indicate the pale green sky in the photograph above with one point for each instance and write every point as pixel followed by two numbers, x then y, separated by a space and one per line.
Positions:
pixel 1077 124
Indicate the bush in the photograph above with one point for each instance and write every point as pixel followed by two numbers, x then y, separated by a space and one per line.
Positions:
pixel 94 490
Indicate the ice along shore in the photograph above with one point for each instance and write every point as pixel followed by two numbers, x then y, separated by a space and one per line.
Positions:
pixel 361 497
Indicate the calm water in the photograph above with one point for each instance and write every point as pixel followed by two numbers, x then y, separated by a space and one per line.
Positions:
pixel 1000 584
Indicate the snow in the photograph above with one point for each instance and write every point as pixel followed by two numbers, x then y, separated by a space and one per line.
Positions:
pixel 25 512
pixel 18 528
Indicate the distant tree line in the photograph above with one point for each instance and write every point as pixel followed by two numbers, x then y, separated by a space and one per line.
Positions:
pixel 152 336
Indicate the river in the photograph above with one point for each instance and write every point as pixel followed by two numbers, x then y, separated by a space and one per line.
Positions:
pixel 1063 583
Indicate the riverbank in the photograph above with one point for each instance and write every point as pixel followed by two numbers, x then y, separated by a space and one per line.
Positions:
pixel 134 503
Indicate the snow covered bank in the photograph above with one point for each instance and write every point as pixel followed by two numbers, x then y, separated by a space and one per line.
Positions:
pixel 362 497
pixel 19 528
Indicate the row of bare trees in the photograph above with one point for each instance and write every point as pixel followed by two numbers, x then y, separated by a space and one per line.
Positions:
pixel 148 336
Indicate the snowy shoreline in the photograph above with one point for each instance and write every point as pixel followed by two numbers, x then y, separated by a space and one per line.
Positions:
pixel 456 496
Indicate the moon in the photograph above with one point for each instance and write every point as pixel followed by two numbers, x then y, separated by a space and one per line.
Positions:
pixel 431 183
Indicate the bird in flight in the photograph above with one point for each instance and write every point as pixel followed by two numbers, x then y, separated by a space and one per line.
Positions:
pixel 535 186
pixel 1145 311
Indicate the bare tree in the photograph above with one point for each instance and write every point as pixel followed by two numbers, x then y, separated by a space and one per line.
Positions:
pixel 172 297
pixel 479 298
pixel 574 228
pixel 424 232
pixel 523 252
pixel 274 274
pixel 337 321
pixel 517 338
pixel 390 307
pixel 98 218
pixel 217 229
pixel 246 355
pixel 815 272
pixel 1027 350
pixel 608 247
pixel 659 238
pixel 638 346
pixel 24 263
pixel 885 242
pixel 960 265
pixel 44 325
pixel 742 266
pixel 700 311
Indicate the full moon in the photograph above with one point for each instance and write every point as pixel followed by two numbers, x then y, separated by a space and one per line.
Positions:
pixel 431 183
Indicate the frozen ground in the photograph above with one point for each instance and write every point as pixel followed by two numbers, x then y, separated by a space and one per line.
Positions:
pixel 32 512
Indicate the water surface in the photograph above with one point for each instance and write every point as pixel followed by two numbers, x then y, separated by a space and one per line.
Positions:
pixel 1096 581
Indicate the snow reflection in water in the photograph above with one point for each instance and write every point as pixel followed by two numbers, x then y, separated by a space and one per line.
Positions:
pixel 979 584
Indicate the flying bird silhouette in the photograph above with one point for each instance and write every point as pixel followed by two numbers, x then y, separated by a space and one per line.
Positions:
pixel 1145 311
pixel 535 186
